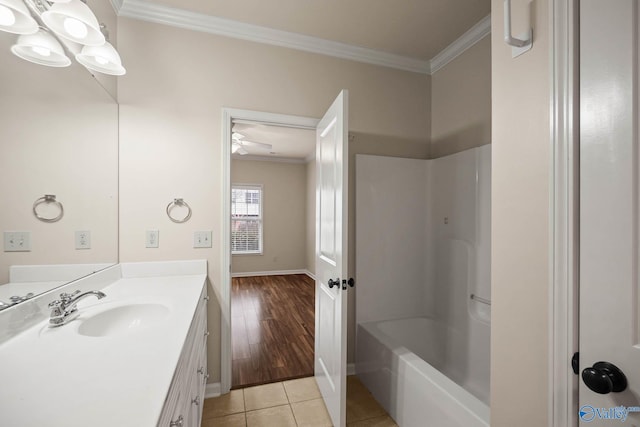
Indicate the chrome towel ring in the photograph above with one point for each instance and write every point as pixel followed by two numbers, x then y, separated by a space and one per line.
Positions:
pixel 178 202
pixel 48 199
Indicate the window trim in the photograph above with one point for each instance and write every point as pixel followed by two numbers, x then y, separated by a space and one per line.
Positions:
pixel 260 219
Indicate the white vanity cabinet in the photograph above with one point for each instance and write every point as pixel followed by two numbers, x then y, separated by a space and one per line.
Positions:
pixel 184 401
pixel 147 339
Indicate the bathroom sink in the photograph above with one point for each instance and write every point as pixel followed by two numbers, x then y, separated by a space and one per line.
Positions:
pixel 123 319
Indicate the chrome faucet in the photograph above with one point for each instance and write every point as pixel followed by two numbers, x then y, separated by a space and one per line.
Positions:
pixel 62 309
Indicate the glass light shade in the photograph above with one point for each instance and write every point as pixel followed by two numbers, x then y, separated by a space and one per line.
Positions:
pixel 41 48
pixel 73 20
pixel 103 59
pixel 15 18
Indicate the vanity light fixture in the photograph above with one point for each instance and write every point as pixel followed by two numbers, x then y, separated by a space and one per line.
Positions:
pixel 103 59
pixel 69 22
pixel 74 21
pixel 15 18
pixel 41 48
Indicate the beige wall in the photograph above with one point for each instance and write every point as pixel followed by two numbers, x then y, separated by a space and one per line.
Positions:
pixel 284 215
pixel 170 111
pixel 59 135
pixel 521 248
pixel 461 102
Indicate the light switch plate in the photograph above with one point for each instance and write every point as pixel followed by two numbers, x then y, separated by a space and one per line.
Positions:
pixel 202 239
pixel 83 239
pixel 17 241
pixel 153 239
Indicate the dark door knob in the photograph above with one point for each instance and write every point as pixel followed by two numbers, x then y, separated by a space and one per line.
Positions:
pixel 333 283
pixel 604 377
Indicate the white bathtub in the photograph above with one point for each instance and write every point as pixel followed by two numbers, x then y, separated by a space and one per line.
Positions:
pixel 399 362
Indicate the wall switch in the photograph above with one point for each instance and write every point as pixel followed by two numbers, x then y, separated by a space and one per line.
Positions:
pixel 202 239
pixel 153 238
pixel 83 239
pixel 17 241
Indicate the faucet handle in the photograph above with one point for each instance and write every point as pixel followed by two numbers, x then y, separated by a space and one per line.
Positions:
pixel 56 307
pixel 66 297
pixel 55 303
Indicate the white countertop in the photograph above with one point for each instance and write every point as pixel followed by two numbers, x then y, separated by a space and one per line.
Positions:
pixel 57 377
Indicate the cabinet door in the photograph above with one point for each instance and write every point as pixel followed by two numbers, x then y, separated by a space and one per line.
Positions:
pixel 183 407
pixel 175 414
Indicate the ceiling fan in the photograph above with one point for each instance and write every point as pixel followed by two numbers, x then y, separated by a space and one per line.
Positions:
pixel 238 144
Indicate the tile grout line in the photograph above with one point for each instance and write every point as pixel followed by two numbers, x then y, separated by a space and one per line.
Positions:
pixel 295 420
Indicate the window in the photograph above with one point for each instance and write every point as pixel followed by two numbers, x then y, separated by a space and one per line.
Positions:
pixel 246 219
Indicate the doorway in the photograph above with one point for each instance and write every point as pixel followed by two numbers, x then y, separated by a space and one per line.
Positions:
pixel 272 253
pixel 256 127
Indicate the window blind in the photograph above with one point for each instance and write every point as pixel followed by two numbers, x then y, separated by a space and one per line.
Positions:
pixel 246 219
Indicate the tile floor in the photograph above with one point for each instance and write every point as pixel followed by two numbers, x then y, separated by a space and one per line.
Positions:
pixel 295 403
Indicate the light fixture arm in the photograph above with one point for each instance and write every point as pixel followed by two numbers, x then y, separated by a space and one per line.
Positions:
pixel 104 30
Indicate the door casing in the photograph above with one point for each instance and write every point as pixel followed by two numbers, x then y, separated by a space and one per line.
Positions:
pixel 564 214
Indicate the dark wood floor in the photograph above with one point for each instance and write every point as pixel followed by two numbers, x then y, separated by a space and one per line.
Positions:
pixel 273 321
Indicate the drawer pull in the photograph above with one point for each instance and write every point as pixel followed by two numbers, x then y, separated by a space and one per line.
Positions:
pixel 201 370
pixel 196 401
pixel 177 423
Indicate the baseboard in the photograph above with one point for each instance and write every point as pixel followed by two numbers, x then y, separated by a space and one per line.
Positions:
pixel 310 274
pixel 212 390
pixel 270 273
pixel 351 368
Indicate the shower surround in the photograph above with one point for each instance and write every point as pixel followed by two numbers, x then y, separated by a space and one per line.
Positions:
pixel 423 297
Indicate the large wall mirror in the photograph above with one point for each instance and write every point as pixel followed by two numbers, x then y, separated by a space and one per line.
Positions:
pixel 58 136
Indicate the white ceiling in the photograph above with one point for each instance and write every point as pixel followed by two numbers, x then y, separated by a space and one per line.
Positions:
pixel 412 28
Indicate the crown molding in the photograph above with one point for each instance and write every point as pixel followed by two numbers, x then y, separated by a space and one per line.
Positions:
pixel 464 42
pixel 117 5
pixel 180 18
pixel 143 10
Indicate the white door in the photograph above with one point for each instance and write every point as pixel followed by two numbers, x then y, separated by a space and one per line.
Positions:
pixel 609 213
pixel 331 258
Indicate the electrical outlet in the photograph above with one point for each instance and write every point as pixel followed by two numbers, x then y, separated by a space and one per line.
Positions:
pixel 17 241
pixel 153 238
pixel 83 239
pixel 202 239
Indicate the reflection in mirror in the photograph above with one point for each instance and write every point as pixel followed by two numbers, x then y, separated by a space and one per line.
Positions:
pixel 59 136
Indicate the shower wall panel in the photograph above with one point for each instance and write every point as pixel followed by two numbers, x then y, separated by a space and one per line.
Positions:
pixel 392 238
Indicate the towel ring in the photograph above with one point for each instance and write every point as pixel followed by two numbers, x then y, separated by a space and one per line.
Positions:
pixel 178 202
pixel 47 199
